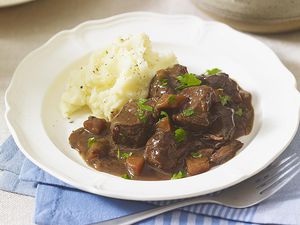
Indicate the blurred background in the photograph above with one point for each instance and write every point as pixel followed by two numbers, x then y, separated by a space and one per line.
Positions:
pixel 267 16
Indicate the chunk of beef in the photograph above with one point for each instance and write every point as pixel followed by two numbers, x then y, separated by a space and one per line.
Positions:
pixel 222 128
pixel 88 145
pixel 98 149
pixel 195 143
pixel 78 140
pixel 164 125
pixel 206 152
pixel 198 161
pixel 197 165
pixel 244 115
pixel 226 152
pixel 239 100
pixel 227 85
pixel 95 125
pixel 194 115
pixel 163 152
pixel 133 125
pixel 170 101
pixel 165 82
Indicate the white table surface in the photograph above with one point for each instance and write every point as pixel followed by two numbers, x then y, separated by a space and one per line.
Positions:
pixel 25 27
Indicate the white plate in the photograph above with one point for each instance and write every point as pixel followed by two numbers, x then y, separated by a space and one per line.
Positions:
pixel 36 124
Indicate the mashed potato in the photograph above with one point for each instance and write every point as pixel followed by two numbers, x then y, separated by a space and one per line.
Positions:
pixel 121 72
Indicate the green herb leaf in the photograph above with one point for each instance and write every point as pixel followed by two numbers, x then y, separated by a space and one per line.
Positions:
pixel 225 99
pixel 172 99
pixel 143 100
pixel 163 114
pixel 212 71
pixel 239 111
pixel 146 108
pixel 125 155
pixel 187 80
pixel 196 155
pixel 188 112
pixel 126 176
pixel 179 175
pixel 164 82
pixel 141 115
pixel 141 104
pixel 91 141
pixel 180 135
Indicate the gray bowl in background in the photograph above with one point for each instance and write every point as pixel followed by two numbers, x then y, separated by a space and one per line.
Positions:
pixel 260 16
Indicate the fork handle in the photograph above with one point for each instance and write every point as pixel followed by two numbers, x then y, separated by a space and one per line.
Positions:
pixel 136 217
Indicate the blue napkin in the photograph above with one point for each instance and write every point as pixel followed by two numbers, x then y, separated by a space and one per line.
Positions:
pixel 11 161
pixel 59 203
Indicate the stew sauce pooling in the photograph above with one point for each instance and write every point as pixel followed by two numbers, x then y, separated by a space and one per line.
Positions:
pixel 187 125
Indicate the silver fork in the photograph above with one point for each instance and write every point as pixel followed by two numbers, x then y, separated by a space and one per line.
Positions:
pixel 245 194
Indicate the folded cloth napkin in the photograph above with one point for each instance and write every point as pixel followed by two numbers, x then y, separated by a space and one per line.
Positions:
pixel 59 203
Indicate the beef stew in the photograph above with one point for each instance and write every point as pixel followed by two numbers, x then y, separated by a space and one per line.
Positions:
pixel 187 125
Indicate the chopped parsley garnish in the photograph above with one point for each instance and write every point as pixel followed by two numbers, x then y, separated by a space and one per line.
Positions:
pixel 172 99
pixel 196 155
pixel 163 114
pixel 141 115
pixel 143 101
pixel 146 108
pixel 126 176
pixel 188 112
pixel 142 108
pixel 187 80
pixel 239 111
pixel 125 155
pixel 164 82
pixel 91 141
pixel 179 175
pixel 180 135
pixel 212 71
pixel 225 99
pixel 141 105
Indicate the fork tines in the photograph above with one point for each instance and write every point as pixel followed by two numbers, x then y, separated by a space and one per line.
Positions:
pixel 278 174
